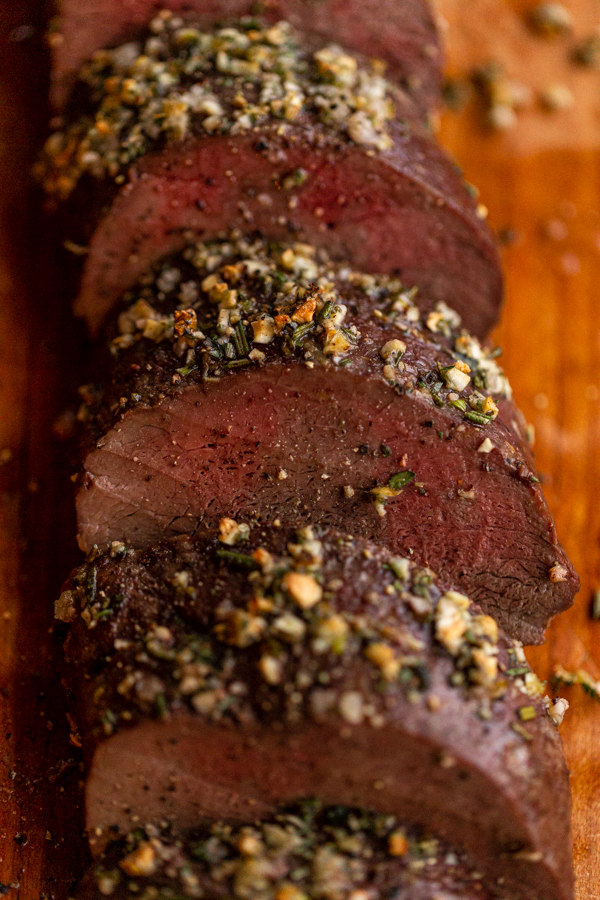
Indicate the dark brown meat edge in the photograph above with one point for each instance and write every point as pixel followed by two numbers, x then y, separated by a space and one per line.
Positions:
pixel 303 853
pixel 479 765
pixel 408 42
pixel 284 441
pixel 403 211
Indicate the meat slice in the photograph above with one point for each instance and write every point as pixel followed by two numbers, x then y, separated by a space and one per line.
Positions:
pixel 348 410
pixel 221 679
pixel 262 135
pixel 409 42
pixel 305 851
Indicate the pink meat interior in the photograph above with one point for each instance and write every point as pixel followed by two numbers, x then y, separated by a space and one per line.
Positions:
pixel 375 212
pixel 185 770
pixel 287 442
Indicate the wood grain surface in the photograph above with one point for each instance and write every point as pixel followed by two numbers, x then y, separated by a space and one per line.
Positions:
pixel 541 183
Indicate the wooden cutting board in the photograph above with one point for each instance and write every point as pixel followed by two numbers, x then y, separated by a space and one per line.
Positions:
pixel 541 182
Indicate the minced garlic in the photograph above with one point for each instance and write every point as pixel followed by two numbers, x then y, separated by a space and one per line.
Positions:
pixel 558 573
pixel 230 532
pixel 304 589
pixel 457 378
pixel 181 81
pixel 141 862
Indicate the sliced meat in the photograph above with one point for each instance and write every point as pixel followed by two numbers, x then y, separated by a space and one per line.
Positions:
pixel 306 851
pixel 409 43
pixel 318 153
pixel 222 679
pixel 348 410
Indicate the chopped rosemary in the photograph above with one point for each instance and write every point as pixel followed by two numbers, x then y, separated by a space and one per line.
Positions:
pixel 185 371
pixel 214 350
pixel 238 363
pixel 516 726
pixel 240 340
pixel 351 335
pixel 400 480
pixel 301 332
pixel 160 702
pixel 242 559
pixel 591 687
pixel 325 311
pixel 92 582
pixel 477 418
pixel 102 614
pixel 399 566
